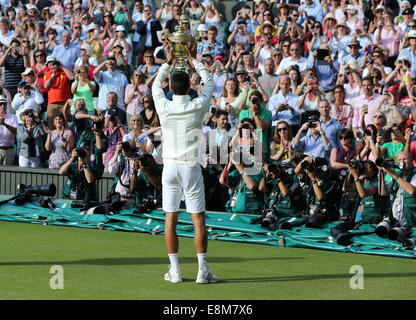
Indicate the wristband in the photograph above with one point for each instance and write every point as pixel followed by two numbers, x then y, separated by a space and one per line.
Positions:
pixel 356 180
pixel 396 178
pixel 313 181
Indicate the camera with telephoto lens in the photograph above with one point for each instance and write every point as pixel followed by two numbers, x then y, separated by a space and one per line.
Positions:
pixel 148 205
pixel 385 163
pixel 358 165
pixel 24 193
pixel 399 233
pixel 383 228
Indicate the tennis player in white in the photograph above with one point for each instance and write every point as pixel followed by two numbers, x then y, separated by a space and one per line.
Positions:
pixel 181 122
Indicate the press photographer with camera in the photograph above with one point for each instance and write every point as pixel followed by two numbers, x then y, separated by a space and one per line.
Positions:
pixel 238 176
pixel 81 174
pixel 364 173
pixel 261 116
pixel 122 164
pixel 88 131
pixel 403 189
pixel 283 194
pixel 323 195
pixel 147 184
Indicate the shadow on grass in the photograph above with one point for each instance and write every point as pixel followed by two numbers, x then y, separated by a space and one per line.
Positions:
pixel 138 261
pixel 317 277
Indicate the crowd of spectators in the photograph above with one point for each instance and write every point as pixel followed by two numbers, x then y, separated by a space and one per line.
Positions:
pixel 331 80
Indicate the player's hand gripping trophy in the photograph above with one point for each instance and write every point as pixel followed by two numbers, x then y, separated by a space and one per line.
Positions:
pixel 178 41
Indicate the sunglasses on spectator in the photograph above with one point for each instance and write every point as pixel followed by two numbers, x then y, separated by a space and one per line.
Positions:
pixel 39 55
pixel 146 101
pixel 267 14
pixel 107 16
pixel 378 116
pixel 343 137
pixel 283 129
pixel 295 15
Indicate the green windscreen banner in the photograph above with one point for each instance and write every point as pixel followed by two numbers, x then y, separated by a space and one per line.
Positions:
pixel 220 226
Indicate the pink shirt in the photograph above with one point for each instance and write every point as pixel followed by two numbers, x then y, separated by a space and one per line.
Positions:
pixel 135 105
pixel 6 137
pixel 389 39
pixel 358 103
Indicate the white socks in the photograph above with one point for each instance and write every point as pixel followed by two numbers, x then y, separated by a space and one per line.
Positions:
pixel 202 261
pixel 174 263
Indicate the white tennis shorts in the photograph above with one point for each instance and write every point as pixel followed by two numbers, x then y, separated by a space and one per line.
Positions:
pixel 178 179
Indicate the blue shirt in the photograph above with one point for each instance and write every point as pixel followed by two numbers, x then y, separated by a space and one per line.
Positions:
pixel 216 49
pixel 332 130
pixel 359 58
pixel 315 10
pixel 313 147
pixel 291 117
pixel 327 75
pixel 67 55
pixel 251 26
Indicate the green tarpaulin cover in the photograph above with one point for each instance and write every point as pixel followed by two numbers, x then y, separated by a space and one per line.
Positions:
pixel 221 226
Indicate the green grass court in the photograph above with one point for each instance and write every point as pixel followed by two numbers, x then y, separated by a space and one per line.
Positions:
pixel 117 265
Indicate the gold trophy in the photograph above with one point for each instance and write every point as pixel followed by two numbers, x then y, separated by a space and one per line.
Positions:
pixel 178 40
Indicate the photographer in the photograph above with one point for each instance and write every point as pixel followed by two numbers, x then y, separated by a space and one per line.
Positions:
pixel 324 196
pixel 122 165
pixel 148 184
pixel 82 173
pixel 241 176
pixel 403 189
pixel 369 207
pixel 261 116
pixel 283 190
pixel 314 143
pixel 88 131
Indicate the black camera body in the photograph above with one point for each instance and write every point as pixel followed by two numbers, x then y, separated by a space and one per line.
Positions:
pixel 99 124
pixel 368 132
pixel 385 163
pixel 358 165
pixel 269 218
pixel 148 205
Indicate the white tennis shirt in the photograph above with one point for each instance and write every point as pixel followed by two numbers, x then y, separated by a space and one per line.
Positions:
pixel 181 119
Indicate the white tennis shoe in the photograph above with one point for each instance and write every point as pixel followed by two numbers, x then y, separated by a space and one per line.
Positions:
pixel 173 276
pixel 206 277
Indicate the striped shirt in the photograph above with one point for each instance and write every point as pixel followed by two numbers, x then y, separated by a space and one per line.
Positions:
pixel 13 67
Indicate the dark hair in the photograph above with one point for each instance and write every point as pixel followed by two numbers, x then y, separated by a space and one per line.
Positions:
pixel 367 78
pixel 180 82
pixel 249 120
pixel 347 133
pixel 220 113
